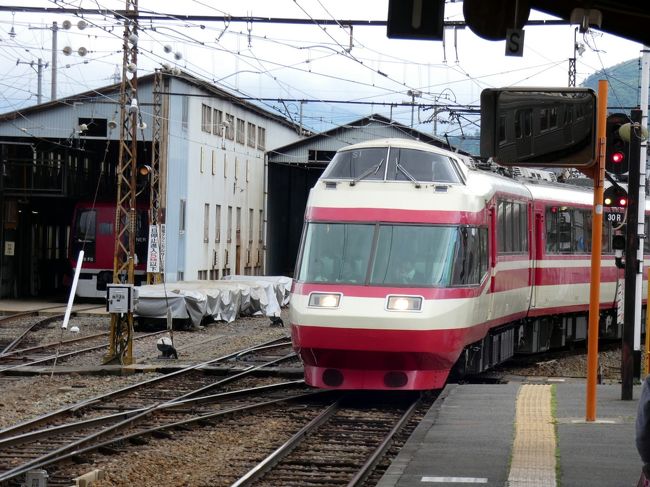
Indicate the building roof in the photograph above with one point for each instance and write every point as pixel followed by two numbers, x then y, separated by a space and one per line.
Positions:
pixel 148 79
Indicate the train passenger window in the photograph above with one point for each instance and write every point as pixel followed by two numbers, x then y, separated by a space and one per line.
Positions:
pixel 512 227
pixel 568 230
pixel 364 163
pixel 502 129
pixel 543 119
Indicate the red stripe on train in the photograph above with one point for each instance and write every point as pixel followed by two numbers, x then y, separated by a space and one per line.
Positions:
pixel 396 215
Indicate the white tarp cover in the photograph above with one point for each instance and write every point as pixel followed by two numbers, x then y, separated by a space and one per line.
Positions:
pixel 222 300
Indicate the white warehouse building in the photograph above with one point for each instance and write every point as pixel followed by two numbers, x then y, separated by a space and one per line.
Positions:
pixel 212 180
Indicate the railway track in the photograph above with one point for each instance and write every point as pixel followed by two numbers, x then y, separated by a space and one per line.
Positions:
pixel 175 400
pixel 342 445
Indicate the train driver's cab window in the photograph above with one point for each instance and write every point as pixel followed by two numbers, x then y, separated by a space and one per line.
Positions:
pixel 512 227
pixel 84 234
pixel 85 225
pixel 394 255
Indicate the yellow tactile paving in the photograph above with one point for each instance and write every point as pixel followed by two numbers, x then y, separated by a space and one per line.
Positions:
pixel 533 451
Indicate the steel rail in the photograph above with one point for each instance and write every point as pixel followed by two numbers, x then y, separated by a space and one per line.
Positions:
pixel 374 458
pixel 270 461
pixel 51 345
pixel 75 408
pixel 78 425
pixel 49 358
pixel 80 446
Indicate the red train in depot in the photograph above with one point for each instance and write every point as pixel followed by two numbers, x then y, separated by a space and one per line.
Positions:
pixel 413 261
pixel 93 230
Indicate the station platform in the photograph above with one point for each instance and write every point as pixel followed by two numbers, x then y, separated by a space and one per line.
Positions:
pixel 526 433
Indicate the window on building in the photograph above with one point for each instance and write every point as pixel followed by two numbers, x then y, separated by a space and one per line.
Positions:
pixel 251 135
pixel 201 161
pixel 238 225
pixel 241 131
pixel 261 138
pixel 206 222
pixel 206 118
pixel 261 227
pixel 217 223
pixel 181 217
pixel 251 217
pixel 217 122
pixel 230 224
pixel 230 126
pixel 214 162
pixel 185 112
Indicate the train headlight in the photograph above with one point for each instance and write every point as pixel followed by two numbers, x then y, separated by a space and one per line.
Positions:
pixel 404 303
pixel 324 300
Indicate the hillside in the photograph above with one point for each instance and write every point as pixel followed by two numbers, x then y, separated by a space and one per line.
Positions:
pixel 624 85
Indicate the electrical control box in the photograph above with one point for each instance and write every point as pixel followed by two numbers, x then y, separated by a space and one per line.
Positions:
pixel 121 298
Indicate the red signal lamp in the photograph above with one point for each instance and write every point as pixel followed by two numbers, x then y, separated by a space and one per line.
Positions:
pixel 622 202
pixel 618 157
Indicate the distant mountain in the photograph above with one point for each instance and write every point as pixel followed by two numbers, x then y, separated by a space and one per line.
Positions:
pixel 624 81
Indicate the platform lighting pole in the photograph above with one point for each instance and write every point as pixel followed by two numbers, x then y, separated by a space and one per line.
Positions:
pixel 596 250
pixel 121 332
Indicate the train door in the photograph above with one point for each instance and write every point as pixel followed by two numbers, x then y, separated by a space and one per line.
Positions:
pixel 537 248
pixel 492 252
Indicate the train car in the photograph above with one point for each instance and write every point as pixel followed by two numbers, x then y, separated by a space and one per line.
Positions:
pixel 413 262
pixel 93 230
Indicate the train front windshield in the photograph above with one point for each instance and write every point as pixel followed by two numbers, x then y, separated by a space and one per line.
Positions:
pixel 381 254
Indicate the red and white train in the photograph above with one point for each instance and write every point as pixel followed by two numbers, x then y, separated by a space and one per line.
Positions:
pixel 93 230
pixel 412 261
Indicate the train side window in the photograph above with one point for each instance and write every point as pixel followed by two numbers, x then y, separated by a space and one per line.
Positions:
pixel 552 117
pixel 543 119
pixel 501 226
pixel 551 230
pixel 483 243
pixel 467 258
pixel 502 129
pixel 646 241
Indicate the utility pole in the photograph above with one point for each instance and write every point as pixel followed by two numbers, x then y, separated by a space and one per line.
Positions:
pixel 54 64
pixel 121 332
pixel 413 94
pixel 158 168
pixel 39 72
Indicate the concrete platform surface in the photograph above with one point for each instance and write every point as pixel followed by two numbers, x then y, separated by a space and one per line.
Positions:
pixel 472 436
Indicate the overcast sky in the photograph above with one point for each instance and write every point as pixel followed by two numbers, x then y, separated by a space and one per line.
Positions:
pixel 297 62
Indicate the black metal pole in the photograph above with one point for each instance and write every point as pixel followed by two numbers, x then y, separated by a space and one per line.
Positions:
pixel 632 265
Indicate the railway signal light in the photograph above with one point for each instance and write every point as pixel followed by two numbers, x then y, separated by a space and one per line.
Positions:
pixel 617 153
pixel 615 196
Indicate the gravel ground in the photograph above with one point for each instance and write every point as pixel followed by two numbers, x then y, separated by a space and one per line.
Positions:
pixel 36 395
